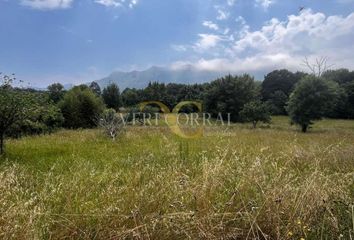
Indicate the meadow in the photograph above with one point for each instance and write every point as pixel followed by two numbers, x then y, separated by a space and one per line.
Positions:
pixel 235 182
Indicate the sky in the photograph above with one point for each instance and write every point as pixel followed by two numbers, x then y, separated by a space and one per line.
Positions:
pixel 76 41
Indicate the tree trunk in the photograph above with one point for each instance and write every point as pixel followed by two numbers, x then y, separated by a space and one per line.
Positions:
pixel 1 143
pixel 304 128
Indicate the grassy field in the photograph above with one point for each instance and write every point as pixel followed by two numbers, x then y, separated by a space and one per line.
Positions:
pixel 234 183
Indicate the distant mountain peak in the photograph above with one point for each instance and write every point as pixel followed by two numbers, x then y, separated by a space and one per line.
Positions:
pixel 186 74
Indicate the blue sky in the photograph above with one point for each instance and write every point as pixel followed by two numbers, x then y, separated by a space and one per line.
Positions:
pixel 73 41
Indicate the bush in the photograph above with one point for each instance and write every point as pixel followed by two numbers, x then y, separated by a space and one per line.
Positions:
pixel 56 92
pixel 45 118
pixel 255 111
pixel 25 111
pixel 80 108
pixel 111 123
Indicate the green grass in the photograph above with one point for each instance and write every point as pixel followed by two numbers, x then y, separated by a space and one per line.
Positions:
pixel 234 183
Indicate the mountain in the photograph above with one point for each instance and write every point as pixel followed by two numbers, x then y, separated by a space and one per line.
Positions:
pixel 140 79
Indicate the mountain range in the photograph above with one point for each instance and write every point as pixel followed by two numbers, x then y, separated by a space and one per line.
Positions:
pixel 140 79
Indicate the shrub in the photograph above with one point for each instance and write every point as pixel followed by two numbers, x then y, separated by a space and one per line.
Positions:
pixel 111 123
pixel 56 92
pixel 80 108
pixel 255 111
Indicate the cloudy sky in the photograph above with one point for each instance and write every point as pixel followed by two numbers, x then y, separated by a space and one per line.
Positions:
pixel 72 41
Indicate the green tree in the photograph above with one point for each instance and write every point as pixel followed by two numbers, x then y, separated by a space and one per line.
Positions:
pixel 15 107
pixel 279 80
pixel 341 76
pixel 156 91
pixel 311 100
pixel 254 112
pixel 276 88
pixel 56 92
pixel 111 96
pixel 349 91
pixel 229 94
pixel 95 88
pixel 345 79
pixel 80 108
pixel 130 97
pixel 45 117
pixel 277 102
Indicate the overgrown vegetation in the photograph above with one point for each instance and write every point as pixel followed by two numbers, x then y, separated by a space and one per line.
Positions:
pixel 281 91
pixel 234 183
pixel 25 112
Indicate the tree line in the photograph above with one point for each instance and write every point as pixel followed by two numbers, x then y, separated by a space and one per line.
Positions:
pixel 304 97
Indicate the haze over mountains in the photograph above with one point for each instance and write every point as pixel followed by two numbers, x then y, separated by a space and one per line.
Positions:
pixel 140 79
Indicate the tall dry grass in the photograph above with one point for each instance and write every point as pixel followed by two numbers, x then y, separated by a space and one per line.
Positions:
pixel 239 183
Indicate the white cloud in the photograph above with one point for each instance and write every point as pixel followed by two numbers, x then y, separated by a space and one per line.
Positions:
pixel 222 14
pixel 305 33
pixel 280 44
pixel 231 2
pixel 241 20
pixel 133 3
pixel 179 48
pixel 226 31
pixel 211 25
pixel 248 64
pixel 109 3
pixel 207 41
pixel 117 3
pixel 264 3
pixel 47 4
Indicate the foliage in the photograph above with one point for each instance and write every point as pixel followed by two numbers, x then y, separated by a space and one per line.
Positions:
pixel 229 94
pixel 276 88
pixel 255 112
pixel 111 96
pixel 95 88
pixel 349 91
pixel 182 92
pixel 111 123
pixel 345 79
pixel 130 97
pixel 56 92
pixel 279 80
pixel 43 118
pixel 312 98
pixel 277 102
pixel 80 107
pixel 340 76
pixel 157 92
pixel 15 106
